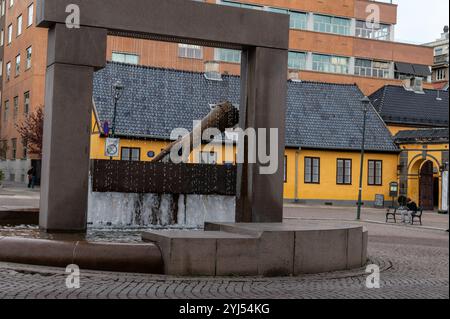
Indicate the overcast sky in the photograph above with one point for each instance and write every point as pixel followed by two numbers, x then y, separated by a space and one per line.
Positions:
pixel 421 21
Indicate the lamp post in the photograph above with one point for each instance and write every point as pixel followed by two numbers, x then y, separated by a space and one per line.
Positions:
pixel 117 89
pixel 365 105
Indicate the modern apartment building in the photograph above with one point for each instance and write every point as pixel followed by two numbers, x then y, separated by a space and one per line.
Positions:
pixel 330 41
pixel 23 80
pixel 440 65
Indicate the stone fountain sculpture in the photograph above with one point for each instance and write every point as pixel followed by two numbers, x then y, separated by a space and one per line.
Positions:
pixel 259 243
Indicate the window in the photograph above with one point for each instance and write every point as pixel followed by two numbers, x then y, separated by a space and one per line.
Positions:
pixel 438 51
pixel 6 111
pixel 29 54
pixel 299 20
pixel 1 68
pixel 19 25
pixel 16 107
pixel 330 64
pixel 297 60
pixel 30 15
pixel 18 65
pixel 26 102
pixel 190 51
pixel 344 171
pixel 376 69
pixel 330 24
pixel 208 158
pixel 375 173
pixel 131 154
pixel 312 170
pixel 373 30
pixel 8 71
pixel 11 3
pixel 2 37
pixel 227 55
pixel 14 148
pixel 128 58
pixel 10 32
pixel 3 8
pixel 240 5
pixel 441 74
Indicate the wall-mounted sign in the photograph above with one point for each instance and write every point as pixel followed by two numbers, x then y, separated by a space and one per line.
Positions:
pixel 379 200
pixel 112 147
pixel 393 189
pixel 150 154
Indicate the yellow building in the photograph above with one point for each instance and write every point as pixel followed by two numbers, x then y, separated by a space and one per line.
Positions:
pixel 323 129
pixel 418 119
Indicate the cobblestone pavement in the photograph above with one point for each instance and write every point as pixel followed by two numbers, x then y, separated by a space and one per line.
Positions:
pixel 414 264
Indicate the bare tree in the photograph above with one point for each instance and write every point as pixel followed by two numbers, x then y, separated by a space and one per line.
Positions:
pixel 3 150
pixel 31 130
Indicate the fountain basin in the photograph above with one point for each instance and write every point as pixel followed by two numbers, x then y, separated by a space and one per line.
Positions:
pixel 122 257
pixel 279 249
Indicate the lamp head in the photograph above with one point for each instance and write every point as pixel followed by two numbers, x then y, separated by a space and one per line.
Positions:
pixel 118 88
pixel 365 103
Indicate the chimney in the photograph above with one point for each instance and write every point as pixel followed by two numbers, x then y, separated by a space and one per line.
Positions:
pixel 417 85
pixel 407 83
pixel 212 71
pixel 293 75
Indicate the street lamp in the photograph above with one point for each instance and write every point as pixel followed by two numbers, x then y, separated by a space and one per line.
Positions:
pixel 117 90
pixel 365 104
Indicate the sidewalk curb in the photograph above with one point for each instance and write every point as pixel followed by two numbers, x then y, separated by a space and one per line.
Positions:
pixel 371 222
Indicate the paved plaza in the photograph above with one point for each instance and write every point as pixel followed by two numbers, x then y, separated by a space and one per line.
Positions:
pixel 414 263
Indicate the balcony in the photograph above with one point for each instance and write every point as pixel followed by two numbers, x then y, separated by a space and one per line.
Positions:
pixel 441 59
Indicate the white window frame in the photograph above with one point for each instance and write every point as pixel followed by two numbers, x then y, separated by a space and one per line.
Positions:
pixel 19 25
pixel 30 17
pixel 10 33
pixel 29 56
pixel 123 57
pixel 189 51
pixel 18 61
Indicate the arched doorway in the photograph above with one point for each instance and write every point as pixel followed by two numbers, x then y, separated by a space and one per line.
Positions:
pixel 426 186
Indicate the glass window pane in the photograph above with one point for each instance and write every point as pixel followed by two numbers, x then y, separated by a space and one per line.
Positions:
pixel 125 154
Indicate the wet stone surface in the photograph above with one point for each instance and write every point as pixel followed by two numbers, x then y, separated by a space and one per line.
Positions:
pixel 414 264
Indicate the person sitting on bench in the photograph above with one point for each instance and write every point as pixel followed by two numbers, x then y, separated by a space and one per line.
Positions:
pixel 411 209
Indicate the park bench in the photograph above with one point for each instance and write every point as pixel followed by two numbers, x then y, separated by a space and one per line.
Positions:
pixel 391 214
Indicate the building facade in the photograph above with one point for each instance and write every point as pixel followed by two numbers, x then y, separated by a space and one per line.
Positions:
pixel 323 131
pixel 330 41
pixel 418 120
pixel 440 74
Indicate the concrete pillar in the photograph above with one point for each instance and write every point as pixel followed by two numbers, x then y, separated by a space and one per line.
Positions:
pixel 392 38
pixel 73 55
pixel 309 61
pixel 263 105
pixel 351 66
pixel 310 23
pixel 353 27
pixel 392 70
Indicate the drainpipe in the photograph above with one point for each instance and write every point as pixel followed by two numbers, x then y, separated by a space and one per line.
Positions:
pixel 297 157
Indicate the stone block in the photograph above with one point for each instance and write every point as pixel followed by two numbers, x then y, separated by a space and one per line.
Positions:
pixel 275 253
pixel 365 245
pixel 355 247
pixel 237 257
pixel 319 251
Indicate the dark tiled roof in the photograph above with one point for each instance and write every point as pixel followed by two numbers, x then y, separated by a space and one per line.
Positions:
pixel 155 101
pixel 396 105
pixel 434 135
